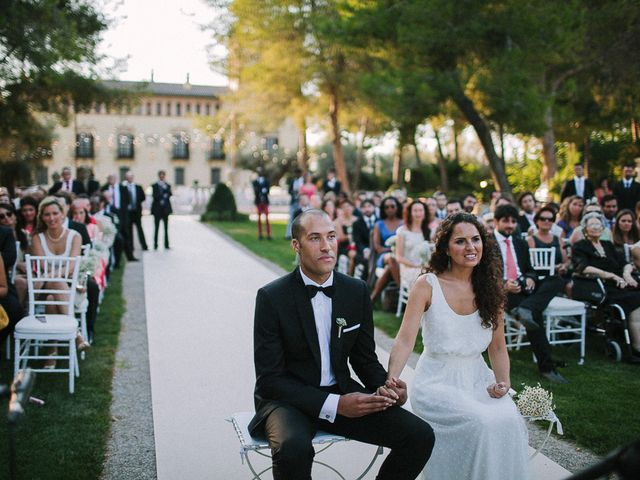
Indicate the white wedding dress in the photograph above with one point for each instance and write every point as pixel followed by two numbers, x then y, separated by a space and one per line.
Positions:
pixel 477 437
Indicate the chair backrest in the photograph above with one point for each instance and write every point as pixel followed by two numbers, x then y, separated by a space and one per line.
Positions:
pixel 85 249
pixel 42 272
pixel 343 264
pixel 543 259
pixel 15 264
pixel 627 253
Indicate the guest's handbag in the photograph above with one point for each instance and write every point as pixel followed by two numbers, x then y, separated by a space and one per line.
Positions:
pixel 588 290
pixel 4 318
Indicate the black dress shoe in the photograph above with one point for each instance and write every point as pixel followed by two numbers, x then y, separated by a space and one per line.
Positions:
pixel 525 317
pixel 132 259
pixel 554 377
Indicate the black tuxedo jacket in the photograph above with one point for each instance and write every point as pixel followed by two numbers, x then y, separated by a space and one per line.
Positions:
pixel 569 188
pixel 122 211
pixel 337 188
pixel 361 234
pixel 76 187
pixel 81 228
pixel 7 250
pixel 91 187
pixel 522 257
pixel 287 352
pixel 627 197
pixel 161 204
pixel 140 198
pixel 523 224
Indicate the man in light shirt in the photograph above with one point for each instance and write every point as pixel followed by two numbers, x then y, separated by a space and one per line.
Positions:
pixel 309 324
pixel 578 185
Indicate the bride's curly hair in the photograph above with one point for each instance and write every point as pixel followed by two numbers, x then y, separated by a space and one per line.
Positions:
pixel 486 278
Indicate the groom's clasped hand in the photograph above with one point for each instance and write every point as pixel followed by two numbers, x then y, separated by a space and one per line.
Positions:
pixel 357 404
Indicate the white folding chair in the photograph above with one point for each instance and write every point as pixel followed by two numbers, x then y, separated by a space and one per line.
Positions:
pixel 403 297
pixel 566 322
pixel 543 259
pixel 343 264
pixel 514 333
pixel 322 440
pixel 627 253
pixel 36 331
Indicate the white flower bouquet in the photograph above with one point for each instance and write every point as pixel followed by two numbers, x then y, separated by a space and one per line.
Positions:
pixel 424 251
pixel 391 243
pixel 535 402
pixel 88 264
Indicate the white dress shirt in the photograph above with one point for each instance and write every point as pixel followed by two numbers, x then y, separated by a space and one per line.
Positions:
pixel 503 251
pixel 579 183
pixel 322 309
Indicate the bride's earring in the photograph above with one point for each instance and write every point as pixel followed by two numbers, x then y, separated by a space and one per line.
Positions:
pixel 448 262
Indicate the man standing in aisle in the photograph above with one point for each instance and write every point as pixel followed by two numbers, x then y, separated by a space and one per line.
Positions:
pixel 627 190
pixel 161 208
pixel 119 195
pixel 137 198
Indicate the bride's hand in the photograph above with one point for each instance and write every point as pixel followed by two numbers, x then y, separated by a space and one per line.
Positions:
pixel 497 390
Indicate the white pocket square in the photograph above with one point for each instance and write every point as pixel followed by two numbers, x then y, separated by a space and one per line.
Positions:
pixel 352 327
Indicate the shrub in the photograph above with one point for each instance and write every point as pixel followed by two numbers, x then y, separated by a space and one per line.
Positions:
pixel 222 206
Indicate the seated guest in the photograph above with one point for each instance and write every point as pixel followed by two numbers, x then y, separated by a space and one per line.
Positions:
pixel 344 232
pixel 55 239
pixel 597 257
pixel 469 202
pixel 8 300
pixel 411 238
pixel 527 295
pixel 544 238
pixel 4 195
pixel 570 214
pixel 19 279
pixel 27 215
pixel 385 228
pixel 453 206
pixel 434 221
pixel 578 232
pixel 363 230
pixel 80 214
pixel 625 230
pixel 329 207
pixel 609 210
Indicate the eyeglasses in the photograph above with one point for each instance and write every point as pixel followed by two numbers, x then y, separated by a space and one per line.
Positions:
pixel 5 215
pixel 545 219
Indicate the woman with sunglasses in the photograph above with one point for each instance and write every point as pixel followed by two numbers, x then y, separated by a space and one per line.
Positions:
pixel 8 218
pixel 385 228
pixel 544 238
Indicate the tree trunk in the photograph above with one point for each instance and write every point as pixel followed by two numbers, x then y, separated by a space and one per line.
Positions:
pixel 302 153
pixel 501 134
pixel 442 164
pixel 496 164
pixel 338 153
pixel 396 173
pixel 550 163
pixel 635 131
pixel 362 133
pixel 455 144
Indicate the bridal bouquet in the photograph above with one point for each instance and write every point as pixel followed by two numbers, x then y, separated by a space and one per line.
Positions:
pixel 424 251
pixel 535 402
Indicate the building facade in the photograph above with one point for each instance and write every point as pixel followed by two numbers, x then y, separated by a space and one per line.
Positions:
pixel 171 128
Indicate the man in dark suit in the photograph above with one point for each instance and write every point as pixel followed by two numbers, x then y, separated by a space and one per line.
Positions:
pixel 161 208
pixel 362 229
pixel 261 200
pixel 136 199
pixel 119 198
pixel 67 184
pixel 331 183
pixel 527 203
pixel 308 325
pixel 578 185
pixel 89 183
pixel 627 190
pixel 527 295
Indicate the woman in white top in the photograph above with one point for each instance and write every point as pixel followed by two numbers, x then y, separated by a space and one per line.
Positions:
pixel 410 242
pixel 56 240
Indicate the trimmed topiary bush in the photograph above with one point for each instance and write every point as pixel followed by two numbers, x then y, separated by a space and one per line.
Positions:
pixel 222 206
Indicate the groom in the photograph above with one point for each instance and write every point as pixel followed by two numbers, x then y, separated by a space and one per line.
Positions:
pixel 308 325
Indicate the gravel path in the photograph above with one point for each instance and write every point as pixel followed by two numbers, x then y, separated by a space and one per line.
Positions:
pixel 131 447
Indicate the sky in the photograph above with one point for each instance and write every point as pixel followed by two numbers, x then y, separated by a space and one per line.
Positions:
pixel 161 36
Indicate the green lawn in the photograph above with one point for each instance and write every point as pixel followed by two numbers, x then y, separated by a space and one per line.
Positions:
pixel 67 437
pixel 598 408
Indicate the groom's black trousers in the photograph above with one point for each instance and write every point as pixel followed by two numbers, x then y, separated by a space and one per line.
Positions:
pixel 290 432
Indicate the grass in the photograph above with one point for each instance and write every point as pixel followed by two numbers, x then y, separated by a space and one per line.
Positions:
pixel 66 438
pixel 598 409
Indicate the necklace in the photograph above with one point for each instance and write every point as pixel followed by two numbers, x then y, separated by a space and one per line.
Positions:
pixel 54 239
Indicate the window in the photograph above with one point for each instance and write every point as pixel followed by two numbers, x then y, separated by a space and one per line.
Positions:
pixel 148 108
pixel 158 108
pixel 207 109
pixel 215 176
pixel 122 171
pixel 270 143
pixel 168 112
pixel 42 175
pixel 187 108
pixel 125 145
pixel 217 107
pixel 217 149
pixel 197 109
pixel 84 145
pixel 178 175
pixel 180 146
pixel 178 109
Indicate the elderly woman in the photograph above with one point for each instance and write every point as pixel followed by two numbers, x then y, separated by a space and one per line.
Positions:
pixel 578 233
pixel 597 257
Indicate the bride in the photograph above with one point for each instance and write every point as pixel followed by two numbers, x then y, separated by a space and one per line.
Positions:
pixel 479 432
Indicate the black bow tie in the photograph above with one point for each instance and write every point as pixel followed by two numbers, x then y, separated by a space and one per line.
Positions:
pixel 312 290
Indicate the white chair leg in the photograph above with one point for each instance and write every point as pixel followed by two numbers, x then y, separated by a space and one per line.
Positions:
pixel 72 365
pixel 16 357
